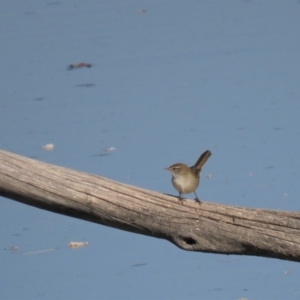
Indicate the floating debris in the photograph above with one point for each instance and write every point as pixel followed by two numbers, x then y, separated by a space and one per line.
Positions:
pixel 107 151
pixel 77 244
pixel 48 147
pixel 86 85
pixel 110 149
pixel 78 66
pixel 209 176
pixel 14 248
pixel 39 251
pixel 285 195
pixel 142 11
pixel 139 265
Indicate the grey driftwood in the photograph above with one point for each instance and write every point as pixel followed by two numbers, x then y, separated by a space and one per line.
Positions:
pixel 211 227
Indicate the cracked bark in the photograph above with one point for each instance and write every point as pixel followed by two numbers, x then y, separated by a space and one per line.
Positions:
pixel 211 227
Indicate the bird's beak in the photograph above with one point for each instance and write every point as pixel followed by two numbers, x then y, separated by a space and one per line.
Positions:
pixel 167 169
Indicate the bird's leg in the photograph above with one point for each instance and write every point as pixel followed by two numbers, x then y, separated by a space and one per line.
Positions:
pixel 180 198
pixel 197 199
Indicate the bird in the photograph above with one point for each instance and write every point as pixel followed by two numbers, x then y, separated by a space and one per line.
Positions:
pixel 186 179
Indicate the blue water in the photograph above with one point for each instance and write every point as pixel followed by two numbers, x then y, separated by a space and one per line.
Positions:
pixel 165 84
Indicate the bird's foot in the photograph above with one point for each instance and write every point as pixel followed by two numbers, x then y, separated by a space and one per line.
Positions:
pixel 198 201
pixel 180 199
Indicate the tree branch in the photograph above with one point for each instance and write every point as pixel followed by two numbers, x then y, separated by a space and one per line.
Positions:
pixel 210 227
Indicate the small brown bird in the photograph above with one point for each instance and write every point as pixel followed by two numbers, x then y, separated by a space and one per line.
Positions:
pixel 186 179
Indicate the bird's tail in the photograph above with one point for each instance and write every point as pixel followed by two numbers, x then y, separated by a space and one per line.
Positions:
pixel 202 160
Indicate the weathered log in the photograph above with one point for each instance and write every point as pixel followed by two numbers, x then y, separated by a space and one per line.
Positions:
pixel 213 228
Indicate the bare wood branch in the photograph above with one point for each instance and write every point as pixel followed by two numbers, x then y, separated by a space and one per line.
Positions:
pixel 210 227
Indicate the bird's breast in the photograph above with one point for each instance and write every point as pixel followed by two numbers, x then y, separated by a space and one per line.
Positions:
pixel 185 184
